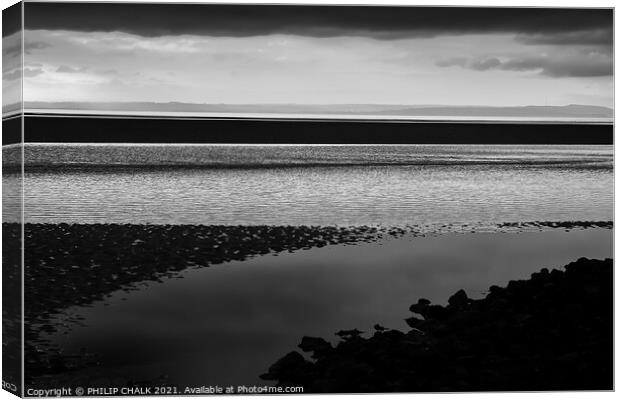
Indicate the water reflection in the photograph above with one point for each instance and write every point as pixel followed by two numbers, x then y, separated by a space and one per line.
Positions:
pixel 227 324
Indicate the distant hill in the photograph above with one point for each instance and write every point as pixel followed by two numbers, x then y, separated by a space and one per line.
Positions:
pixel 572 110
pixel 435 111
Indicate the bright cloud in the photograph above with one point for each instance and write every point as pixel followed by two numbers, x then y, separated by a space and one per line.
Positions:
pixel 484 69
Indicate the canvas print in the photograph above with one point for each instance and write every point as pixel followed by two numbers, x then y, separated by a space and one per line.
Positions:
pixel 242 198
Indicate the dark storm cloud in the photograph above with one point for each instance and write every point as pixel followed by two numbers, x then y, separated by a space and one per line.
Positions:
pixel 12 49
pixel 36 45
pixel 68 69
pixel 561 68
pixel 16 73
pixel 11 19
pixel 484 64
pixel 599 65
pixel 12 75
pixel 30 72
pixel 105 71
pixel 15 49
pixel 448 62
pixel 152 20
pixel 602 36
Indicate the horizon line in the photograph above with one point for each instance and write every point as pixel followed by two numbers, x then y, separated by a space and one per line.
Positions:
pixel 317 117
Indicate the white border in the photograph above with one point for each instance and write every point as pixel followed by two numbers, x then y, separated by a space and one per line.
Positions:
pixel 480 3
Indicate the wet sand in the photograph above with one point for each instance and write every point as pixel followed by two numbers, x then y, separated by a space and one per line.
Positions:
pixel 91 264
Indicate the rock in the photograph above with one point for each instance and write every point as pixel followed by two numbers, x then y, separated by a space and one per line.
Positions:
pixel 379 327
pixel 418 307
pixel 313 344
pixel 414 322
pixel 459 300
pixel 290 368
pixel 348 334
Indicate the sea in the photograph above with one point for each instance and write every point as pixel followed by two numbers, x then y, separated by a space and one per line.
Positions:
pixel 344 185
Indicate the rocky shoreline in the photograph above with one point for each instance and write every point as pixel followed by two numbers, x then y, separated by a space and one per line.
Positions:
pixel 551 332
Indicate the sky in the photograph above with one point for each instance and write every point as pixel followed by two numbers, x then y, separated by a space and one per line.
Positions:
pixel 251 54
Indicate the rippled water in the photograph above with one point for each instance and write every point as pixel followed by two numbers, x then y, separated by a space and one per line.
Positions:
pixel 252 155
pixel 316 184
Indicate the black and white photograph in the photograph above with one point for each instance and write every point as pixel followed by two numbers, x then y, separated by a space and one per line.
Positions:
pixel 210 198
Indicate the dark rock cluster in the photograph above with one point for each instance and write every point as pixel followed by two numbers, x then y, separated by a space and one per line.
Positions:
pixel 551 332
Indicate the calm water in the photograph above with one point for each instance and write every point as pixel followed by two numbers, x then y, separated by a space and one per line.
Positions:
pixel 228 323
pixel 315 184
